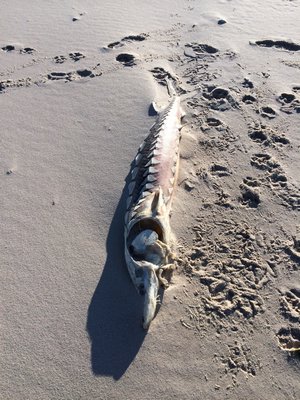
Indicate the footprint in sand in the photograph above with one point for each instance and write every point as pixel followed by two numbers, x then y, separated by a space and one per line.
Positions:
pixel 249 196
pixel 18 83
pixel 290 304
pixel 266 136
pixel 220 99
pixel 27 50
pixel 199 50
pixel 289 107
pixel 8 48
pixel 278 44
pixel 219 93
pixel 248 99
pixel 289 338
pixel 259 136
pixel 278 179
pixel 247 83
pixel 267 112
pixel 251 182
pixel 286 98
pixel 85 73
pixel 219 170
pixel 71 76
pixel 293 109
pixel 296 89
pixel 59 59
pixel 126 39
pixel 76 56
pixel 293 249
pixel 211 121
pixel 264 162
pixel 57 76
pixel 161 76
pixel 281 139
pixel 290 104
pixel 127 59
pixel 239 358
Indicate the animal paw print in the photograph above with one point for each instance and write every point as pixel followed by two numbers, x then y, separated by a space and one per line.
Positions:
pixel 59 59
pixel 264 161
pixel 290 104
pixel 289 339
pixel 198 50
pixel 71 76
pixel 73 56
pixel 161 75
pixel 219 170
pixel 127 59
pixel 259 136
pixel 248 99
pixel 266 136
pixel 251 182
pixel 27 50
pixel 76 56
pixel 220 99
pixel 267 112
pixel 249 196
pixel 130 38
pixel 9 48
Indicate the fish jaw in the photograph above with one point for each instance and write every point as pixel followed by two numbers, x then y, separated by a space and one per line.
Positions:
pixel 151 285
pixel 144 277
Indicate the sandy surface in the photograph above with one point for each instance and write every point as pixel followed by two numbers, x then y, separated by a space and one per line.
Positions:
pixel 73 111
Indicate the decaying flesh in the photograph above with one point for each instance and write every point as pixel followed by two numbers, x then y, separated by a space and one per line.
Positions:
pixel 148 237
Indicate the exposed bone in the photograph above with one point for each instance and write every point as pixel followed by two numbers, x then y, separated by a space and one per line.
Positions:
pixel 138 158
pixel 142 146
pixel 147 231
pixel 151 178
pixel 149 186
pixel 143 195
pixel 144 239
pixel 134 172
pixel 131 187
pixel 152 170
pixel 128 202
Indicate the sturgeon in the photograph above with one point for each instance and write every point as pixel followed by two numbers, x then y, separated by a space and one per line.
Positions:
pixel 148 236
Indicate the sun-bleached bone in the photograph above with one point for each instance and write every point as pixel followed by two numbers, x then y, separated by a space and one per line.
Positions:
pixel 148 236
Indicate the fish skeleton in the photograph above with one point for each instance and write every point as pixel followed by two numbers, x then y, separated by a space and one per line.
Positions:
pixel 148 236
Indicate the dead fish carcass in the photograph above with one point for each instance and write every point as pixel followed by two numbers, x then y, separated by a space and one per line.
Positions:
pixel 148 236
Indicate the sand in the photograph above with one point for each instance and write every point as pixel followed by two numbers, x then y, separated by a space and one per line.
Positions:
pixel 76 82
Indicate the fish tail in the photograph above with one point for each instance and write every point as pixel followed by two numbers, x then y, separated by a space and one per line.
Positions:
pixel 171 88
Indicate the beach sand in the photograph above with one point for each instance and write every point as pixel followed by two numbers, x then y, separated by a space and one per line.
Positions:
pixel 76 82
